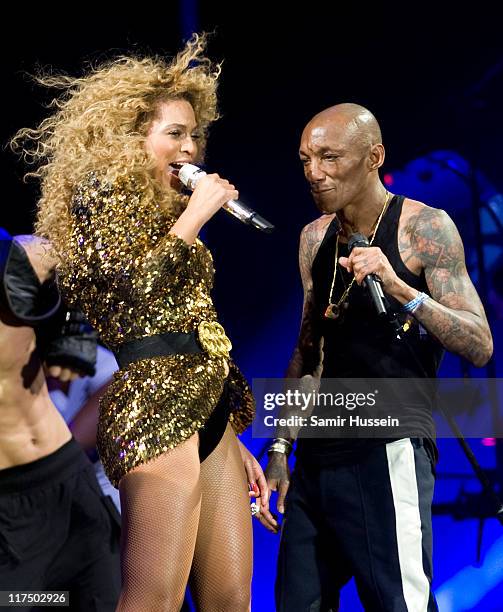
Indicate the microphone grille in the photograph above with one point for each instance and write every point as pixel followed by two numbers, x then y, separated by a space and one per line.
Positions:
pixel 357 240
pixel 187 174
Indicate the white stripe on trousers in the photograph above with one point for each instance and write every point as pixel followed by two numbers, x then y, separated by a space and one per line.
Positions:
pixel 402 473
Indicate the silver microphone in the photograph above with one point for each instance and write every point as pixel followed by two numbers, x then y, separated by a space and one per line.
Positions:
pixel 189 175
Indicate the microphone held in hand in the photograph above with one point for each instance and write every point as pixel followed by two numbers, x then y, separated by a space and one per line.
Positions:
pixel 189 175
pixel 371 281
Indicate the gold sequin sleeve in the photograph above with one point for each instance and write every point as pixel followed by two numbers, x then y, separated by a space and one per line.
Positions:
pixel 119 240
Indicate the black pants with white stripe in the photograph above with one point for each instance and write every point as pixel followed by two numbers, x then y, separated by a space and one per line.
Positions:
pixel 370 520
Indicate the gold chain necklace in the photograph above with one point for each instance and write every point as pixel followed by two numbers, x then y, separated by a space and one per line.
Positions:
pixel 334 310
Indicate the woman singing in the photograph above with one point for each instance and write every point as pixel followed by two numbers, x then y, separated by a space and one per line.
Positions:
pixel 129 256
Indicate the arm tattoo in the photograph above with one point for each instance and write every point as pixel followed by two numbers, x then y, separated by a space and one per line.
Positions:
pixel 307 354
pixel 456 316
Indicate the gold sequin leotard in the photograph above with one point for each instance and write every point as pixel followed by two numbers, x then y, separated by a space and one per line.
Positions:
pixel 132 279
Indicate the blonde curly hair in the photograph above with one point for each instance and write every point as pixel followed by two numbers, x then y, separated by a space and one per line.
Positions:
pixel 101 123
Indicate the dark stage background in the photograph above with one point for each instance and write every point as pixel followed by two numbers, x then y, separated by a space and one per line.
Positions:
pixel 435 84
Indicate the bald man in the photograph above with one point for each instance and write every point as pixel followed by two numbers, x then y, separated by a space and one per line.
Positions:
pixel 362 507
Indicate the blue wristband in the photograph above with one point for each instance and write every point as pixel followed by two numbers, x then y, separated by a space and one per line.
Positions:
pixel 413 304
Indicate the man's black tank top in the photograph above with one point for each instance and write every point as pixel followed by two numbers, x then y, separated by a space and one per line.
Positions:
pixel 361 345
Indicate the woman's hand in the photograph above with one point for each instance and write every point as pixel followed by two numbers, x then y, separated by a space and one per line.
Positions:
pixel 259 489
pixel 210 194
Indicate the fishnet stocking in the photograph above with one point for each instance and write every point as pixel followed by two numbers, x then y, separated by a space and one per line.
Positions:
pixel 160 502
pixel 221 572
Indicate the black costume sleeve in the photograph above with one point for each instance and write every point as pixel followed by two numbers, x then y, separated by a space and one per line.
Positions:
pixel 64 338
pixel 22 295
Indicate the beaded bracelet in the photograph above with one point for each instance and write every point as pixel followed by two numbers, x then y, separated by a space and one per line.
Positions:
pixel 413 304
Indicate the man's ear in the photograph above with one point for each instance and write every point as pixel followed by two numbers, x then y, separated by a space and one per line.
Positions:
pixel 376 156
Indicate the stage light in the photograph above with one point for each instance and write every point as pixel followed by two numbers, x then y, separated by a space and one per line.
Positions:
pixel 488 441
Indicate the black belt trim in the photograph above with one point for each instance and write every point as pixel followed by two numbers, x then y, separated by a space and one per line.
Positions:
pixel 160 345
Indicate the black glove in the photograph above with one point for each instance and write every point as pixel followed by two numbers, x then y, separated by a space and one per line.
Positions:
pixel 67 340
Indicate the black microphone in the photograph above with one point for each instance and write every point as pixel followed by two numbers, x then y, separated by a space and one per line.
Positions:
pixel 189 175
pixel 371 282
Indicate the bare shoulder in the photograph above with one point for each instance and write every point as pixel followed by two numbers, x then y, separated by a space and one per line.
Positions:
pixel 413 211
pixel 317 228
pixel 312 236
pixel 427 236
pixel 40 254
